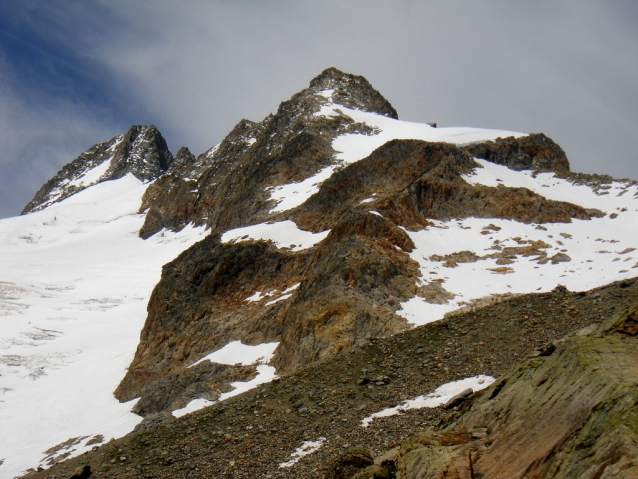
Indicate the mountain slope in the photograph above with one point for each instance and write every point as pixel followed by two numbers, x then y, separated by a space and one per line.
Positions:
pixel 363 231
pixel 253 434
pixel 74 284
pixel 327 225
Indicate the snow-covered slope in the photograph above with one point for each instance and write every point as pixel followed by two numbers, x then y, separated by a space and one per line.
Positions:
pixel 473 258
pixel 75 279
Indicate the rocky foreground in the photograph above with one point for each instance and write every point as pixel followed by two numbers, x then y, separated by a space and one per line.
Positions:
pixel 566 412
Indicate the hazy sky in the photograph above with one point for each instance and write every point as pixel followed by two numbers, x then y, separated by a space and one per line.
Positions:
pixel 74 73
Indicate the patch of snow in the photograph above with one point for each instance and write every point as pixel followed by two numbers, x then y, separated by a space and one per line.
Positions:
pixel 257 296
pixel 580 240
pixel 292 195
pixel 308 447
pixel 440 396
pixel 93 175
pixel 280 298
pixel 327 94
pixel 284 234
pixel 233 353
pixel 265 374
pixel 284 295
pixel 194 405
pixel 236 352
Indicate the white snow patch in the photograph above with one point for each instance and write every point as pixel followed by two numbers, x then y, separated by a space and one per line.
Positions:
pixel 74 285
pixel 93 175
pixel 257 296
pixel 284 234
pixel 236 352
pixel 308 447
pixel 265 374
pixel 194 405
pixel 284 295
pixel 292 195
pixel 327 94
pixel 440 396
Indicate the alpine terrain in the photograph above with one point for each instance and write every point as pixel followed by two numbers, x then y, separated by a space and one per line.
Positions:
pixel 330 292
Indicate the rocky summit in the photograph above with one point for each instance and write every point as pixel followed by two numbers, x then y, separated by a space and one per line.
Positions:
pixel 322 294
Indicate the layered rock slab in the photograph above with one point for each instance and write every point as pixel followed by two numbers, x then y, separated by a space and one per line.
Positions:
pixel 567 413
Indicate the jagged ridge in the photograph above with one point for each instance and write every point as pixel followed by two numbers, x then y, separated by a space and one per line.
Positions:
pixel 141 151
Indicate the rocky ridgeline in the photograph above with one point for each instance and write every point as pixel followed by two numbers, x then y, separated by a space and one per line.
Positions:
pixel 352 283
pixel 141 151
pixel 226 186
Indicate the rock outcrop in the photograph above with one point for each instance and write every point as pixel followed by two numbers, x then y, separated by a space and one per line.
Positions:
pixel 570 412
pixel 534 152
pixel 141 151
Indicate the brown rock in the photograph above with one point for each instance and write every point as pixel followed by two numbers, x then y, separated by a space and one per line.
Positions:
pixel 350 463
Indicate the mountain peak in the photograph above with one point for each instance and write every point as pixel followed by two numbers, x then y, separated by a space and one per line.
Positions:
pixel 141 151
pixel 352 91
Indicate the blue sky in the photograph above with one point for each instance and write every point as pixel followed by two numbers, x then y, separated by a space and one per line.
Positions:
pixel 73 73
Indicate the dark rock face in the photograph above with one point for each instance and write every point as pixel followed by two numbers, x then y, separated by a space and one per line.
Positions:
pixel 141 151
pixel 288 146
pixel 532 152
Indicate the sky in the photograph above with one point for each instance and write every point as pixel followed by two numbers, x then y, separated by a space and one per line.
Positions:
pixel 74 73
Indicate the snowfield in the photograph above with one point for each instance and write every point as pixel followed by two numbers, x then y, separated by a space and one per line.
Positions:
pixel 74 285
pixel 591 253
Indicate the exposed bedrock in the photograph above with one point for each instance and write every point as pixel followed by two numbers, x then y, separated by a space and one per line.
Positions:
pixel 349 286
pixel 569 413
pixel 531 152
